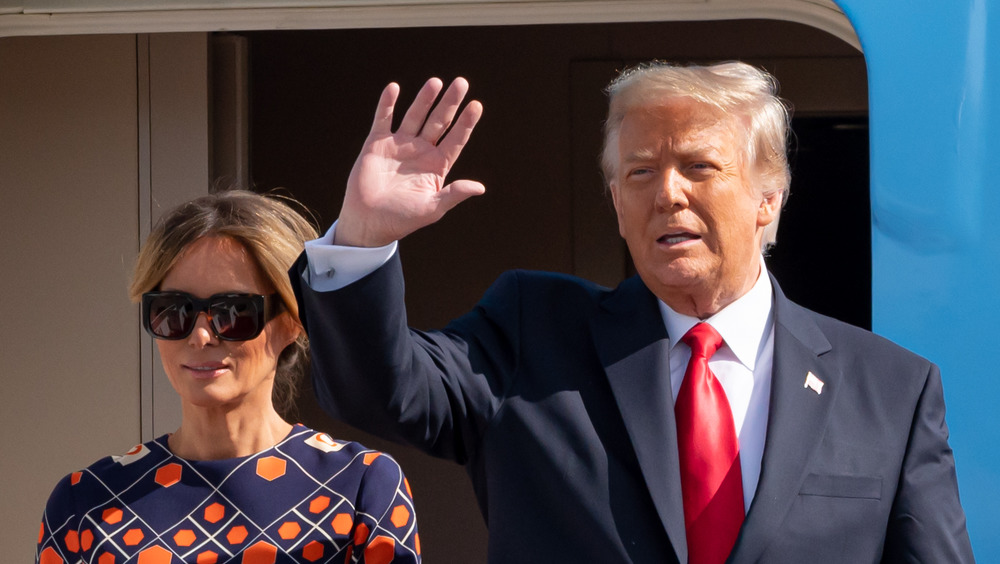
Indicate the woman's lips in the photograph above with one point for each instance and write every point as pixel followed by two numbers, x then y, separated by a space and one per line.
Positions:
pixel 207 370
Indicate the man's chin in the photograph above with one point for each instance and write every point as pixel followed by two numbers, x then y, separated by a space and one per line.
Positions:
pixel 673 282
pixel 677 274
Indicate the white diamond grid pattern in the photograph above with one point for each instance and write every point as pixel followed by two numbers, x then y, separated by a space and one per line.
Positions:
pixel 212 536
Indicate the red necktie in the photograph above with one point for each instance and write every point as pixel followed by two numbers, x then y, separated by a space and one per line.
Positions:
pixel 709 455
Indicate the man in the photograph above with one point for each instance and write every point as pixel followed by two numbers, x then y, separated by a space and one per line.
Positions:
pixel 693 414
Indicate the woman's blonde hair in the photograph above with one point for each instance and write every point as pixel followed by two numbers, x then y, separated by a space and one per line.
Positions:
pixel 270 229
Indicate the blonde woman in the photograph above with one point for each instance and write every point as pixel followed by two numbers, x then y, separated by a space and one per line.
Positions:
pixel 236 482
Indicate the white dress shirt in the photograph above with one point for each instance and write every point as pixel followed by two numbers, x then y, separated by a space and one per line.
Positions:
pixel 331 267
pixel 742 364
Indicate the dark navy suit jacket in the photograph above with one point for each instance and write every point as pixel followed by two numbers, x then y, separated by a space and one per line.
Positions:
pixel 555 394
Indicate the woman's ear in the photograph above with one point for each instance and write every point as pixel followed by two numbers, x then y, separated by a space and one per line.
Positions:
pixel 289 329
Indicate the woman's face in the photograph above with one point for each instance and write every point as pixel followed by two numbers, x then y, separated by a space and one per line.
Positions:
pixel 208 372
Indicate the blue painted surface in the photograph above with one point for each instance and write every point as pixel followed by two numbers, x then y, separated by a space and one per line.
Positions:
pixel 933 73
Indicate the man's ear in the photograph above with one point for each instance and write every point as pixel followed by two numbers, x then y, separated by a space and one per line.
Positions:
pixel 770 205
pixel 616 199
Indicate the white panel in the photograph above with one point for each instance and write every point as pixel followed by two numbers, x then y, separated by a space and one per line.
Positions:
pixel 63 6
pixel 214 16
pixel 69 229
pixel 179 161
pixel 230 111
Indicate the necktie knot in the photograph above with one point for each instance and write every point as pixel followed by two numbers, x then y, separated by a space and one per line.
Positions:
pixel 703 339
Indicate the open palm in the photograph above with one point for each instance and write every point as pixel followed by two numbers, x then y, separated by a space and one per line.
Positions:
pixel 397 184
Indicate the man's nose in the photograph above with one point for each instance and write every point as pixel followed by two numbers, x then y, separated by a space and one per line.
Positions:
pixel 673 189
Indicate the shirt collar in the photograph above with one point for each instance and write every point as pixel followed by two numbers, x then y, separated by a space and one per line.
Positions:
pixel 743 324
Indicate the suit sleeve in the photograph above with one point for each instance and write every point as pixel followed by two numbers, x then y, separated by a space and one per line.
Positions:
pixel 434 390
pixel 927 523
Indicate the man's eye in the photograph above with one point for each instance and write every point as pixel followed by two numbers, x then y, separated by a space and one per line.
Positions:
pixel 639 172
pixel 701 168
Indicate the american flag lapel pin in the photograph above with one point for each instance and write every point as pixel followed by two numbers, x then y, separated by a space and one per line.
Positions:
pixel 813 383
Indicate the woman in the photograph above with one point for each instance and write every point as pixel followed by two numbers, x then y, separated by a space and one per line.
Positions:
pixel 236 482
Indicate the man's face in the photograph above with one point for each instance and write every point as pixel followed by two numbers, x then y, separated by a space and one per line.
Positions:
pixel 687 206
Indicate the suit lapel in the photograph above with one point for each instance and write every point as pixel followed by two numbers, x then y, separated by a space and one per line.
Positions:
pixel 633 346
pixel 797 419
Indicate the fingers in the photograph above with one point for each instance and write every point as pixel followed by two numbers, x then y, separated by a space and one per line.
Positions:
pixel 382 124
pixel 440 119
pixel 453 143
pixel 417 112
pixel 431 125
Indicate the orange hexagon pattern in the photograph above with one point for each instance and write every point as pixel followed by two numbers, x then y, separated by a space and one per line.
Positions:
pixel 342 523
pixel 215 512
pixel 271 468
pixel 361 534
pixel 154 555
pixel 319 504
pixel 380 550
pixel 86 540
pixel 112 515
pixel 49 556
pixel 120 533
pixel 400 516
pixel 260 553
pixel 237 534
pixel 72 540
pixel 289 530
pixel 185 537
pixel 168 474
pixel 133 537
pixel 313 551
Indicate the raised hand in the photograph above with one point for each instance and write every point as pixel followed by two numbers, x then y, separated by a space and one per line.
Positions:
pixel 397 184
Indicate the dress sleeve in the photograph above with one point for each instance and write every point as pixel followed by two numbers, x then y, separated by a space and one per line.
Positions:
pixel 59 539
pixel 385 526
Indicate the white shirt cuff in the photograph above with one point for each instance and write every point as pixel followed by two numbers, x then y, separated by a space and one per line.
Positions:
pixel 332 267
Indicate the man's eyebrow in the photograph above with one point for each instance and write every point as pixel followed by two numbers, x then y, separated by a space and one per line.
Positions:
pixel 643 154
pixel 698 150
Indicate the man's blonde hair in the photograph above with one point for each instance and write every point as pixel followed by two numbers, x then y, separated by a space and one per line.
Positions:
pixel 736 89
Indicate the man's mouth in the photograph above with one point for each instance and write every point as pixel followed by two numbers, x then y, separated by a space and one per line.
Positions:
pixel 676 238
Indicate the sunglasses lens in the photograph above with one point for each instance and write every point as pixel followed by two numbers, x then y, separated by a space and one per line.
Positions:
pixel 171 316
pixel 236 318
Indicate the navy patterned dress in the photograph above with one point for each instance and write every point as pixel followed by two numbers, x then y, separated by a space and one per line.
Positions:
pixel 307 499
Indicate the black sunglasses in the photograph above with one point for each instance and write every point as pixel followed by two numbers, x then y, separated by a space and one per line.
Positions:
pixel 233 317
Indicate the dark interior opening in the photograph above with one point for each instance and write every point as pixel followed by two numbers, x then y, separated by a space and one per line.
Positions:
pixel 823 256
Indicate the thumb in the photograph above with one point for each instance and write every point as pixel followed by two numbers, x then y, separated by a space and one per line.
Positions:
pixel 457 192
